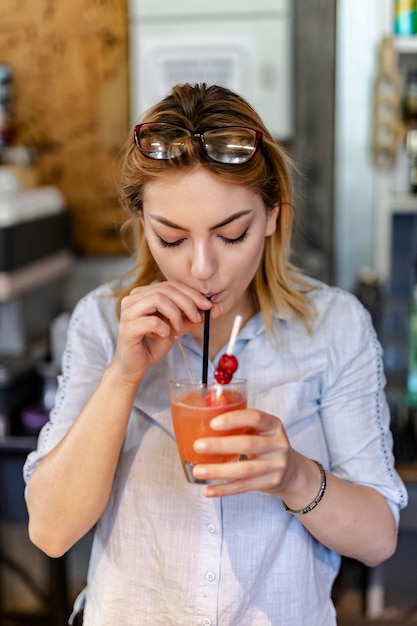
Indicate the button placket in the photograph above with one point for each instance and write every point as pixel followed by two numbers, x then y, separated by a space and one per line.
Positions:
pixel 209 562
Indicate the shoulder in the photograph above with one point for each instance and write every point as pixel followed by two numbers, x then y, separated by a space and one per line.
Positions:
pixel 341 317
pixel 337 308
pixel 328 298
pixel 96 308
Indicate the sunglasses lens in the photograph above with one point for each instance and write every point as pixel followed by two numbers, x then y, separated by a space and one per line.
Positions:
pixel 161 141
pixel 230 145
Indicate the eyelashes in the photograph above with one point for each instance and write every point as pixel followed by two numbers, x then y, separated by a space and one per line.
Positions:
pixel 239 239
pixel 226 240
pixel 170 244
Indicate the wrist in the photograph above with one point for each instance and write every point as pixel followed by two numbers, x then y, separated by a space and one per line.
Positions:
pixel 113 376
pixel 309 489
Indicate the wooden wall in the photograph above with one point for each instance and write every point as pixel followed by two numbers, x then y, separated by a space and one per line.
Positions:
pixel 70 66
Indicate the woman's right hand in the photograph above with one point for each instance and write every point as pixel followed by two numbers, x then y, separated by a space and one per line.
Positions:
pixel 151 318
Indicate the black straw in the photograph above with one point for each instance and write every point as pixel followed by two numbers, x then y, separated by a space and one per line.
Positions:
pixel 206 346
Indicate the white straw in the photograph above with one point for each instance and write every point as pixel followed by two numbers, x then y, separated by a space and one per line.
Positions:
pixel 233 335
pixel 184 358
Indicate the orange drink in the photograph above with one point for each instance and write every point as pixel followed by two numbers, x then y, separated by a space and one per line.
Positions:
pixel 193 406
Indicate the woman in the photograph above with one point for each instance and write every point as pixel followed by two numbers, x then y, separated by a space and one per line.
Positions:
pixel 210 197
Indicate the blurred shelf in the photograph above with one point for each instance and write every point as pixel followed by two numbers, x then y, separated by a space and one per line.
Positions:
pixel 402 202
pixel 406 45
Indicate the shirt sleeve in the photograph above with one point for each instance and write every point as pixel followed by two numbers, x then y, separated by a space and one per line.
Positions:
pixel 354 409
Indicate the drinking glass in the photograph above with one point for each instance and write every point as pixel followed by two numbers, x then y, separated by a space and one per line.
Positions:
pixel 193 406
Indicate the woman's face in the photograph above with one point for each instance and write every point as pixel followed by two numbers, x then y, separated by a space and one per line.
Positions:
pixel 206 233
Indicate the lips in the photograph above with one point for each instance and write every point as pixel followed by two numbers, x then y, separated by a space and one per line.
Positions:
pixel 214 297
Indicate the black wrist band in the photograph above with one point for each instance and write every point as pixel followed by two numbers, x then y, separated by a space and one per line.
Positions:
pixel 316 500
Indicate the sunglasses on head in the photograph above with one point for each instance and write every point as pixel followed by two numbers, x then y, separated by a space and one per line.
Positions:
pixel 231 144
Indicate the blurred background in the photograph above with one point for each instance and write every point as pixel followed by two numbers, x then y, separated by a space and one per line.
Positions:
pixel 336 83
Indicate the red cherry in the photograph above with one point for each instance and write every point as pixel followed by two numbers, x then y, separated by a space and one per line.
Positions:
pixel 222 377
pixel 228 363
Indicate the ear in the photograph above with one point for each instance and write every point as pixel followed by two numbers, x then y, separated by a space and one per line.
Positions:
pixel 271 223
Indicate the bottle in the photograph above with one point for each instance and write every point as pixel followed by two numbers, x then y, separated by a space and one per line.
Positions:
pixel 6 116
pixel 410 121
pixel 412 350
pixel 387 106
pixel 405 17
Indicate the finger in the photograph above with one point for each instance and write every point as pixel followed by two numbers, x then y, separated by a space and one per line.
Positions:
pixel 146 327
pixel 238 470
pixel 247 445
pixel 262 484
pixel 241 477
pixel 250 418
pixel 162 306
pixel 184 296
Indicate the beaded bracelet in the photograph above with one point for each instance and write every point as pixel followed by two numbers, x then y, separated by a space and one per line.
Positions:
pixel 316 500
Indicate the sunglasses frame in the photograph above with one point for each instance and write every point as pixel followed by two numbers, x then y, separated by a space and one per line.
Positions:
pixel 257 135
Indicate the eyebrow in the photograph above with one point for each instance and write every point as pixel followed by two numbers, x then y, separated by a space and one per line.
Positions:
pixel 228 220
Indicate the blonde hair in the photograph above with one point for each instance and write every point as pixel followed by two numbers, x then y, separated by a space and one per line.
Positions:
pixel 277 285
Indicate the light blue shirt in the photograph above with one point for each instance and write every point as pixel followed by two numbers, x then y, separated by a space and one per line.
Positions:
pixel 163 554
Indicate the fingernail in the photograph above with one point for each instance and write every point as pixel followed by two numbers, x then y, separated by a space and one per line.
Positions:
pixel 199 446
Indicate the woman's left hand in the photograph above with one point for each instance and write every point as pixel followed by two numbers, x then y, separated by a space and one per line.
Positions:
pixel 270 465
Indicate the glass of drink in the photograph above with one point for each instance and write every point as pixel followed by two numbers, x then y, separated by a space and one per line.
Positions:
pixel 193 406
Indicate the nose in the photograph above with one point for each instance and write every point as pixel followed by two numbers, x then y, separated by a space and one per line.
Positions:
pixel 203 262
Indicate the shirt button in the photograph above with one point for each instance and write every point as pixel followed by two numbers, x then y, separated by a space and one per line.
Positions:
pixel 212 529
pixel 210 576
pixel 207 621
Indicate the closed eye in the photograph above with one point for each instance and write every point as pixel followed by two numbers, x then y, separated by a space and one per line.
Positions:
pixel 239 239
pixel 227 240
pixel 170 244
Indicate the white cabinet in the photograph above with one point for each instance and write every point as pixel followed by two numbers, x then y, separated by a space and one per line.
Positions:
pixel 358 33
pixel 245 46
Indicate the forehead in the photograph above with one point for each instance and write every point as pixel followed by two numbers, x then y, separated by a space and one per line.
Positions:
pixel 195 187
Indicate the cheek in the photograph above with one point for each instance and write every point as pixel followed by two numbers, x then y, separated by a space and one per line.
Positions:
pixel 167 262
pixel 246 261
pixel 164 260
